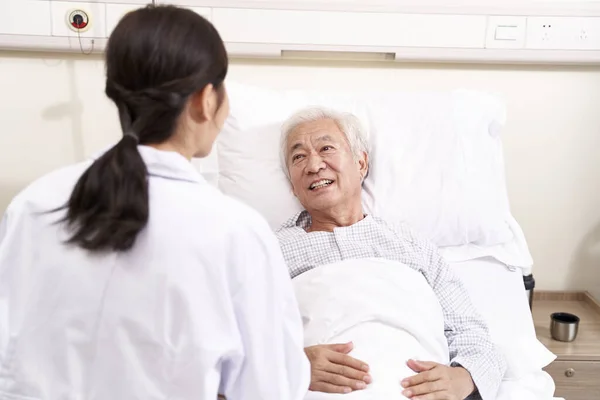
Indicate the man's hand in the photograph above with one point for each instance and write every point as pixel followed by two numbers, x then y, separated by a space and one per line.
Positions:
pixel 435 381
pixel 334 371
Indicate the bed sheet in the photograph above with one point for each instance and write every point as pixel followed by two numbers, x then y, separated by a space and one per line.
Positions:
pixel 536 386
pixel 487 280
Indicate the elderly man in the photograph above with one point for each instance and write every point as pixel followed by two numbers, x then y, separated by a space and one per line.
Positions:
pixel 325 154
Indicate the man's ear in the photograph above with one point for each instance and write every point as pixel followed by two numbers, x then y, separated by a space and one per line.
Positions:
pixel 204 103
pixel 363 164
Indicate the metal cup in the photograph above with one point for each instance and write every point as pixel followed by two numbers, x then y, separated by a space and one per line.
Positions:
pixel 564 326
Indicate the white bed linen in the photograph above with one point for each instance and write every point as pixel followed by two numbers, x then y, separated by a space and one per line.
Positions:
pixel 535 386
pixel 372 289
pixel 514 252
pixel 498 293
pixel 358 300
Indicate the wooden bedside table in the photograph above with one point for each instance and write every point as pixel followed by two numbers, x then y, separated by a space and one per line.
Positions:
pixel 576 370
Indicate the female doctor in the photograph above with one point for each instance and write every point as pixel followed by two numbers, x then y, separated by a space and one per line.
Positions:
pixel 130 277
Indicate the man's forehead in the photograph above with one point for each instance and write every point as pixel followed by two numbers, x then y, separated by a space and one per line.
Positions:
pixel 298 141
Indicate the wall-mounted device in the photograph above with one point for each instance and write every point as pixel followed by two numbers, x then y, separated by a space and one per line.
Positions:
pixel 78 20
pixel 494 31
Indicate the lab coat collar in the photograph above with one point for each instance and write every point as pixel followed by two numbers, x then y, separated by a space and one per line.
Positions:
pixel 165 164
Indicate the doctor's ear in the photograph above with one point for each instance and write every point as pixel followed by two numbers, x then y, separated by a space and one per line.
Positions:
pixel 205 103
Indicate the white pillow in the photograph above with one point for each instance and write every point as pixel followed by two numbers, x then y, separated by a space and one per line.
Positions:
pixel 499 296
pixel 514 253
pixel 436 162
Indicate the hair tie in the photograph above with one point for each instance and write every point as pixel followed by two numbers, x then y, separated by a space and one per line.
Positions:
pixel 132 135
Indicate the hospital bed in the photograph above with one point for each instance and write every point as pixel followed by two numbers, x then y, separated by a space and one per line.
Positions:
pixel 436 162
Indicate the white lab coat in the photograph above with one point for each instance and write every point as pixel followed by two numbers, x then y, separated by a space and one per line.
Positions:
pixel 202 304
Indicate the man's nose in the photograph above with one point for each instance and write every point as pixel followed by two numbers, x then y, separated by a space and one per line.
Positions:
pixel 315 164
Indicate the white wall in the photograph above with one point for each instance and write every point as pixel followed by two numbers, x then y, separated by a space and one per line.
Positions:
pixel 53 112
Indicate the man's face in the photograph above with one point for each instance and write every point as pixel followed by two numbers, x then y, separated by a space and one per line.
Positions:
pixel 323 172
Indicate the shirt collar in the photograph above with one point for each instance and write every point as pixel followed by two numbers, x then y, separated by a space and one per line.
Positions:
pixel 165 164
pixel 303 221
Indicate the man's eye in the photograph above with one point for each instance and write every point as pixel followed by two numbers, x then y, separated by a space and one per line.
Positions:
pixel 296 157
pixel 326 148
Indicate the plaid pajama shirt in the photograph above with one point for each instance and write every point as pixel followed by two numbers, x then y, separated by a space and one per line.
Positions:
pixel 468 337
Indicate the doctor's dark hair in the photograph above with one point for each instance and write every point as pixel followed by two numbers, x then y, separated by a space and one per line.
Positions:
pixel 156 58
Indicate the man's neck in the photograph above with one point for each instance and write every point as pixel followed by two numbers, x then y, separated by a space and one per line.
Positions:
pixel 327 221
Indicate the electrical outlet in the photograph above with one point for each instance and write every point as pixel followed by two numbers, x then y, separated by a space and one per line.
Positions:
pixel 563 33
pixel 587 34
pixel 544 33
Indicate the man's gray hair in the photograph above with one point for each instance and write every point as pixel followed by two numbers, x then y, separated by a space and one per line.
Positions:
pixel 348 123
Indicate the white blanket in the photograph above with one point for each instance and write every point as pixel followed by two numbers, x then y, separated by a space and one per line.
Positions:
pixel 388 311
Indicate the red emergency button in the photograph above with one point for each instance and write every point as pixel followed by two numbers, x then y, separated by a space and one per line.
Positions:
pixel 78 20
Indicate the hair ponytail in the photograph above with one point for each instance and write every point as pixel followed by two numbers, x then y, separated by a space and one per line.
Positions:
pixel 109 204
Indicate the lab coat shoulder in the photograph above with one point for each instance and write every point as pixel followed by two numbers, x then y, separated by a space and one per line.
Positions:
pixel 50 189
pixel 233 214
pixel 200 207
pixel 250 248
pixel 46 193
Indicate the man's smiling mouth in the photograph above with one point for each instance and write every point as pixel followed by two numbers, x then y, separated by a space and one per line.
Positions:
pixel 320 184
